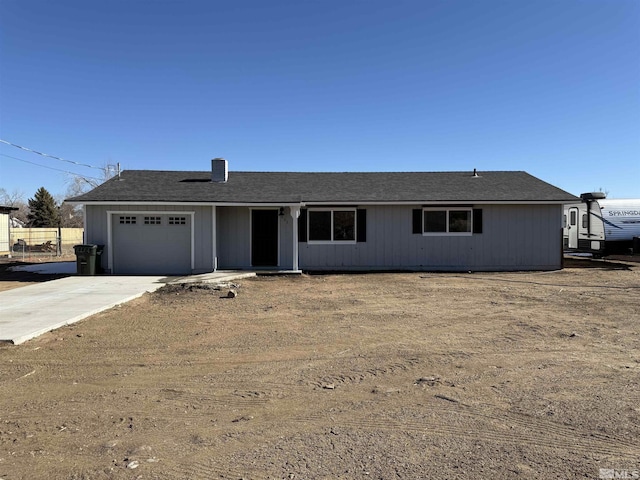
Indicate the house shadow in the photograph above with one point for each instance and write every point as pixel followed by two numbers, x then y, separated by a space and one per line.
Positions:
pixel 7 275
pixel 598 263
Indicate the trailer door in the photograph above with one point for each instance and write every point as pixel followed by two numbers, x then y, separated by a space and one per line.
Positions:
pixel 573 227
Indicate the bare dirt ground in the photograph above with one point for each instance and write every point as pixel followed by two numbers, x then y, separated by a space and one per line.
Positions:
pixel 484 375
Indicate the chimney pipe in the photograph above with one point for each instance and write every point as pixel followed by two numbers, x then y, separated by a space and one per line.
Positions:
pixel 219 170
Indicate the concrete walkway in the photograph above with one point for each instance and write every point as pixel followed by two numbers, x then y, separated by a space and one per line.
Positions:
pixel 30 311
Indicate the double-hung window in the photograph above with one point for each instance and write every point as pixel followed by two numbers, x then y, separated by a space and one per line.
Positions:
pixel 447 221
pixel 332 225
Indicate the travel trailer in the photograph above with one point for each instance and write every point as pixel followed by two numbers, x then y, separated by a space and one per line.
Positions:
pixel 599 225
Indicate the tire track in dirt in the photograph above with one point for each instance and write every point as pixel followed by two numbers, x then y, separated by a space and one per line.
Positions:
pixel 362 375
pixel 202 470
pixel 15 371
pixel 530 431
pixel 518 429
pixel 231 399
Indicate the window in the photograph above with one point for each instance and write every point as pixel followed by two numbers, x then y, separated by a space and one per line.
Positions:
pixel 439 221
pixel 152 221
pixel 585 221
pixel 177 220
pixel 572 217
pixel 125 220
pixel 332 225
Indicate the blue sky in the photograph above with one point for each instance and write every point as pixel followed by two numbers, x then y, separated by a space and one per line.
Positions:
pixel 550 87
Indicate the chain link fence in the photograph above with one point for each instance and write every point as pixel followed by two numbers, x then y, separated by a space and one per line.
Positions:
pixel 42 243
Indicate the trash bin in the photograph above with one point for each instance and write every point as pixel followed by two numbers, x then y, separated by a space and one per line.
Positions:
pixel 85 259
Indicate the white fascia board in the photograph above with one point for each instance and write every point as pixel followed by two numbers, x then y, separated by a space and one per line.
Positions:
pixel 194 204
pixel 128 204
pixel 435 203
pixel 320 204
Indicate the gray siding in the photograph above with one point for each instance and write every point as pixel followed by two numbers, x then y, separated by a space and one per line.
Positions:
pixel 234 238
pixel 515 237
pixel 233 241
pixel 96 231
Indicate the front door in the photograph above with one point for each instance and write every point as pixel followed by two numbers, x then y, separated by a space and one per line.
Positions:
pixel 573 227
pixel 264 238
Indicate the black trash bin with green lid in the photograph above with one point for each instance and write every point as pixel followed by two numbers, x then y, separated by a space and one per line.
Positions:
pixel 85 259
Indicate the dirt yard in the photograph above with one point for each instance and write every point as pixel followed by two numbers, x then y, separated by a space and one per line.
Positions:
pixel 379 376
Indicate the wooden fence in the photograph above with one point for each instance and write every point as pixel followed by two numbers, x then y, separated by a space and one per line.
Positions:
pixel 44 242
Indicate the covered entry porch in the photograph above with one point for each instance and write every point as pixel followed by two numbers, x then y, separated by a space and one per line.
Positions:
pixel 257 237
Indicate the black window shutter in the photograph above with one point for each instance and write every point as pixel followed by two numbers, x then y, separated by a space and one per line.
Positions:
pixel 417 220
pixel 361 222
pixel 302 225
pixel 477 220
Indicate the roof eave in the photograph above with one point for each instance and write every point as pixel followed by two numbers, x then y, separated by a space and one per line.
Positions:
pixel 321 203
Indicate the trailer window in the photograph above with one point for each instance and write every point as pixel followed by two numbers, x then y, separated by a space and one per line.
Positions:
pixel 572 217
pixel 585 221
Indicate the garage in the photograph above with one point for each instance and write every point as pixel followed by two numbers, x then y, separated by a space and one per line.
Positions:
pixel 151 243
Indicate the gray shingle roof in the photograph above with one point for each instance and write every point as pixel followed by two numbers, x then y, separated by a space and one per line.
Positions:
pixel 293 187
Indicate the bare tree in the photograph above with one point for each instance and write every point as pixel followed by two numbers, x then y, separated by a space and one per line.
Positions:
pixel 17 200
pixel 72 215
pixel 79 184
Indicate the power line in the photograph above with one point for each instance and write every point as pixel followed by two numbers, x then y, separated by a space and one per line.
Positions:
pixel 50 156
pixel 50 168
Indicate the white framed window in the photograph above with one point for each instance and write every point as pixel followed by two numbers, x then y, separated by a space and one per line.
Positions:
pixel 153 220
pixel 447 221
pixel 177 220
pixel 332 225
pixel 573 216
pixel 127 220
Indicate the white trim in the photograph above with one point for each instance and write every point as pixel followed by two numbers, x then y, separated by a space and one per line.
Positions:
pixel 116 203
pixel 85 234
pixel 295 214
pixel 214 238
pixel 435 203
pixel 336 203
pixel 110 214
pixel 333 242
pixel 251 209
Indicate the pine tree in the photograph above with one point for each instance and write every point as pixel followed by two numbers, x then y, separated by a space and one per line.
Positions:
pixel 43 211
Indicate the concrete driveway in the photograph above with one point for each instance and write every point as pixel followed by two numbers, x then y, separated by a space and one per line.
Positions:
pixel 30 311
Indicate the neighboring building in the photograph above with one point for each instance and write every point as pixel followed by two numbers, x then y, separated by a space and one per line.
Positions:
pixel 16 223
pixel 171 222
pixel 5 223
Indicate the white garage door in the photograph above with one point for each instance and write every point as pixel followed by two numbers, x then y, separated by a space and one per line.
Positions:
pixel 151 243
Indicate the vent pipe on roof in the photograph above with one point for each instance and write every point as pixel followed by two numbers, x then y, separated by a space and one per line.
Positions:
pixel 219 170
pixel 475 173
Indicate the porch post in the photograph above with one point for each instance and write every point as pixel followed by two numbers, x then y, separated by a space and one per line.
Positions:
pixel 295 213
pixel 214 246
